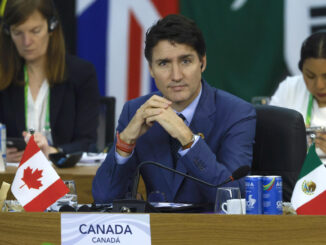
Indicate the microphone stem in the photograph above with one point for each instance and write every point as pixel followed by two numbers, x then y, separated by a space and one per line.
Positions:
pixel 136 178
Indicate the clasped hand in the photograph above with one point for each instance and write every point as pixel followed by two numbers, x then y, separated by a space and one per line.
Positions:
pixel 156 109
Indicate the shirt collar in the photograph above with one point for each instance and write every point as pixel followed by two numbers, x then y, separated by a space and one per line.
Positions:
pixel 189 111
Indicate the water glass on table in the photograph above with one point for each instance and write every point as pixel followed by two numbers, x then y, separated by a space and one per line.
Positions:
pixel 228 201
pixel 69 199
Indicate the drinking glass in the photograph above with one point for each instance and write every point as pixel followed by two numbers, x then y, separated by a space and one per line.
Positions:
pixel 69 199
pixel 223 197
pixel 12 206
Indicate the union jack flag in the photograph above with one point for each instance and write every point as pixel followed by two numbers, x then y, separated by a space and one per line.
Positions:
pixel 111 35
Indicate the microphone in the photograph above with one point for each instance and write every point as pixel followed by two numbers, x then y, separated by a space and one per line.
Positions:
pixel 237 174
pixel 240 172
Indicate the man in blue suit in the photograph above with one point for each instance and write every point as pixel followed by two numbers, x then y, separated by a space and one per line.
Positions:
pixel 215 134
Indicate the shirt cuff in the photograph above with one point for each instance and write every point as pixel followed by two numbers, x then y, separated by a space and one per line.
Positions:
pixel 120 159
pixel 184 152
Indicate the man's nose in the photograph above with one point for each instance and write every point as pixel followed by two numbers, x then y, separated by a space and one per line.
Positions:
pixel 176 72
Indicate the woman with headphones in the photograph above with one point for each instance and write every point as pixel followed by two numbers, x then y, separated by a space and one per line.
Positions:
pixel 41 87
pixel 306 93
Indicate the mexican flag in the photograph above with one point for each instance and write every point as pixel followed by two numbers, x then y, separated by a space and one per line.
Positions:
pixel 309 195
pixel 36 184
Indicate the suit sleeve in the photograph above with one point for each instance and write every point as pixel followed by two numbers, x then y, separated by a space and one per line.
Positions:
pixel 215 164
pixel 112 180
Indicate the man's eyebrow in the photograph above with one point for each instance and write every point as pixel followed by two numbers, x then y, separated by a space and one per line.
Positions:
pixel 186 56
pixel 162 60
pixel 179 57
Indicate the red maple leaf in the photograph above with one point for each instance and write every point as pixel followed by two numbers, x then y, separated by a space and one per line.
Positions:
pixel 31 178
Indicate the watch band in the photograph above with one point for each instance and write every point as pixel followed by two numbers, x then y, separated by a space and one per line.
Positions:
pixel 187 146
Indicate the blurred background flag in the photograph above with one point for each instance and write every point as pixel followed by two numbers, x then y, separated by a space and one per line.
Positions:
pixel 244 43
pixel 111 35
pixel 252 45
pixel 309 194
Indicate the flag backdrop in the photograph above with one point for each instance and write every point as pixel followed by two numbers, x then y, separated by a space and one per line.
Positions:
pixel 251 45
pixel 111 35
pixel 36 184
pixel 309 194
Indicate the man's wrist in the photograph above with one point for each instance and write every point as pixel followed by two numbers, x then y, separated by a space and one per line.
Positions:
pixel 190 143
pixel 123 137
pixel 185 137
pixel 123 146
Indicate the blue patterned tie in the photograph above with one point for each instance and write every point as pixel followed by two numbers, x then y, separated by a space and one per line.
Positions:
pixel 175 146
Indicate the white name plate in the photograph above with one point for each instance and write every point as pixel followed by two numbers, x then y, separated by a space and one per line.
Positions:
pixel 124 229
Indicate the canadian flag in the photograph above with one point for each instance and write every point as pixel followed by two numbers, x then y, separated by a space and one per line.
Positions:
pixel 36 184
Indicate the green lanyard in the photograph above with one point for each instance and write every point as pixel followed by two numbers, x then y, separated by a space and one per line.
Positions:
pixel 309 110
pixel 47 115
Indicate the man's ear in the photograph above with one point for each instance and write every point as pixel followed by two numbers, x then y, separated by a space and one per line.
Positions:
pixel 150 70
pixel 203 63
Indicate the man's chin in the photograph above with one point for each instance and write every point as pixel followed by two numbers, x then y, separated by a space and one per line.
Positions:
pixel 179 104
pixel 177 97
pixel 177 100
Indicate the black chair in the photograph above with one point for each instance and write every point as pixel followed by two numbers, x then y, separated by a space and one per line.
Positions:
pixel 280 145
pixel 105 130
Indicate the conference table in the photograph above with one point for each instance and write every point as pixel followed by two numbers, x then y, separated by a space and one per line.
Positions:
pixel 166 228
pixel 42 228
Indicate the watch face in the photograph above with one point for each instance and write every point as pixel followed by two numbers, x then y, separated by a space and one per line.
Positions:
pixel 201 135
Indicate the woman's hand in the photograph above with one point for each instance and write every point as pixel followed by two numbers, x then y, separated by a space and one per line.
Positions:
pixel 41 142
pixel 13 155
pixel 320 141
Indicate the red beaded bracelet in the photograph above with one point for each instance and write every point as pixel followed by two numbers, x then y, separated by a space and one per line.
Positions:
pixel 123 146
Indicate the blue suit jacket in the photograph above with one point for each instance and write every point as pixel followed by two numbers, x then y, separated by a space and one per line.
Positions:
pixel 228 125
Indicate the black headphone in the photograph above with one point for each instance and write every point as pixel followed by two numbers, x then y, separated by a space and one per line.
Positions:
pixel 52 22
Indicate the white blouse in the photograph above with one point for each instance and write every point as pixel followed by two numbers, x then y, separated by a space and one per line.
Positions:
pixel 36 110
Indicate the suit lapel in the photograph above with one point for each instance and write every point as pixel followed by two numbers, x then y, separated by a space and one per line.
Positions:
pixel 202 123
pixel 203 120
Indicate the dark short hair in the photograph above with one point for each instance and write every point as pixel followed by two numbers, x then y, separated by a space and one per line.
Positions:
pixel 175 28
pixel 313 47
